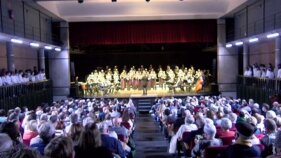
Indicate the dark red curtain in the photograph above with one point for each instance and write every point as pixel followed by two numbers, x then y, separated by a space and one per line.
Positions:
pixel 142 32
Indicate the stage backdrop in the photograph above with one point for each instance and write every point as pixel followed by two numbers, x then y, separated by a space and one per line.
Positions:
pixel 142 32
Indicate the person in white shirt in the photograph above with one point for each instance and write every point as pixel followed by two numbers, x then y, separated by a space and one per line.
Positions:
pixel 8 79
pixel 1 82
pixel 269 73
pixel 248 72
pixel 279 71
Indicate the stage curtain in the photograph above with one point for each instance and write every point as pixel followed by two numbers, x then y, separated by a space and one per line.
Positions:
pixel 142 32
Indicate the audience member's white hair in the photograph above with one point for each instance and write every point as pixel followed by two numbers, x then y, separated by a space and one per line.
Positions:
pixel 46 130
pixel 270 114
pixel 226 123
pixel 189 119
pixel 209 121
pixel 187 112
pixel 252 120
pixel 256 105
pixel 210 130
pixel 32 125
pixel 233 117
pixel 6 142
pixel 88 120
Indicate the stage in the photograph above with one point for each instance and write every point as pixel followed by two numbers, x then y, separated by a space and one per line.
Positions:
pixel 151 93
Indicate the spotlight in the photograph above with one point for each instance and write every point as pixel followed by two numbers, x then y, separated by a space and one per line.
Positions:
pixel 80 1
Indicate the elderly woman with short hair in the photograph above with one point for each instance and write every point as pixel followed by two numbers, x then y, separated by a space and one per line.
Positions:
pixel 208 140
pixel 225 131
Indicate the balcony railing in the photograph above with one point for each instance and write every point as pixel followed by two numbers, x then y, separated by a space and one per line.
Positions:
pixel 259 89
pixel 29 95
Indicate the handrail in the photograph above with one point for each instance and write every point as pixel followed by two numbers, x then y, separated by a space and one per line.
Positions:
pixel 259 89
pixel 29 94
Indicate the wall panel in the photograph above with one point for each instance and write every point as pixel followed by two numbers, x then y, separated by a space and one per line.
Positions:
pixel 255 18
pixel 25 57
pixel 240 24
pixel 262 52
pixel 3 58
pixel 32 26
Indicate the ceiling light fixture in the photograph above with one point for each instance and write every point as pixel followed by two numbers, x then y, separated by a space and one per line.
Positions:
pixel 239 43
pixel 48 47
pixel 57 49
pixel 228 45
pixel 16 41
pixel 272 35
pixel 34 44
pixel 252 40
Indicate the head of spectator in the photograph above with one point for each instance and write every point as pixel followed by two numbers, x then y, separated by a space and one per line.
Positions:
pixel 90 137
pixel 270 114
pixel 73 118
pixel 265 107
pixel 32 126
pixel 209 131
pixel 270 126
pixel 11 129
pixel 75 132
pixel 59 147
pixel 233 117
pixel 226 124
pixel 200 121
pixel 189 119
pixel 252 120
pixel 54 120
pixel 29 153
pixel 46 132
pixel 245 130
pixel 6 142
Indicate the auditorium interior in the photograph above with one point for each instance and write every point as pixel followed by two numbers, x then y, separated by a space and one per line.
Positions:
pixel 158 61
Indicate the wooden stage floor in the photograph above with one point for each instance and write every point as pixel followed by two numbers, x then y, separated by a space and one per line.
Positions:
pixel 153 93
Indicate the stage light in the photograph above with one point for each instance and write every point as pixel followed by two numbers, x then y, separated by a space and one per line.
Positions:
pixel 228 45
pixel 272 35
pixel 80 1
pixel 48 47
pixel 16 41
pixel 252 40
pixel 239 43
pixel 57 49
pixel 34 44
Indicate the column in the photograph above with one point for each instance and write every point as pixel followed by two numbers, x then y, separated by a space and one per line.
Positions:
pixel 245 56
pixel 227 63
pixel 59 66
pixel 41 59
pixel 277 52
pixel 10 57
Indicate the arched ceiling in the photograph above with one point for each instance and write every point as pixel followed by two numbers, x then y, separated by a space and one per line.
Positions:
pixel 127 10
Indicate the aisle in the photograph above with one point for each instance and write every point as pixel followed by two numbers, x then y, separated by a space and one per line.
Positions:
pixel 150 143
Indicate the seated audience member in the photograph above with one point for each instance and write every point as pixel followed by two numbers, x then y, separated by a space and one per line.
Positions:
pixel 200 122
pixel 12 130
pixel 269 138
pixel 111 143
pixel 30 132
pixel 226 124
pixel 59 147
pixel 277 145
pixel 73 119
pixel 3 117
pixel 46 133
pixel 242 148
pixel 208 140
pixel 75 132
pixel 90 144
